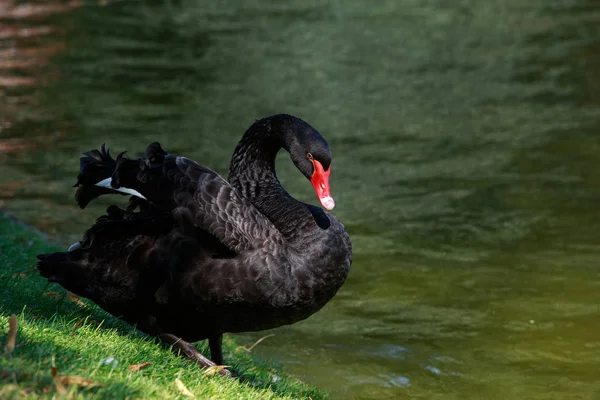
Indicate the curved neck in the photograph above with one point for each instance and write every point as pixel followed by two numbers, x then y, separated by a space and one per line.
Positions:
pixel 252 173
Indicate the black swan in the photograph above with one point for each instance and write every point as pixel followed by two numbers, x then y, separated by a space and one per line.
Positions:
pixel 194 256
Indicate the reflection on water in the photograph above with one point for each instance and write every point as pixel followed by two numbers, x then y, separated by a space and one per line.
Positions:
pixel 29 38
pixel 466 151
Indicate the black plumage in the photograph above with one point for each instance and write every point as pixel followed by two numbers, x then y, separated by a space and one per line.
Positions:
pixel 194 256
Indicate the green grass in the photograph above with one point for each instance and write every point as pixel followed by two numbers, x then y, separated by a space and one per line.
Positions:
pixel 46 338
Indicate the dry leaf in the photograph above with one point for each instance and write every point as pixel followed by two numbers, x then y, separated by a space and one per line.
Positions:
pixel 216 369
pixel 11 342
pixel 60 388
pixel 23 274
pixel 62 381
pixel 51 294
pixel 137 367
pixel 79 381
pixel 77 325
pixel 75 299
pixel 249 349
pixel 183 390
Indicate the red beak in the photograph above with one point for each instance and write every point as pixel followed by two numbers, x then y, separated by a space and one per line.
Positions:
pixel 320 181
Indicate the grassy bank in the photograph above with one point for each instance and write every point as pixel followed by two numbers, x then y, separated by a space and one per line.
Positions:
pixel 79 339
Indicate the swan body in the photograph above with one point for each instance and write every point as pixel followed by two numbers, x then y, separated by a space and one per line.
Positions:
pixel 193 255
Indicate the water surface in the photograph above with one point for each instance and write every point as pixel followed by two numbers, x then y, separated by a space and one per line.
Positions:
pixel 466 155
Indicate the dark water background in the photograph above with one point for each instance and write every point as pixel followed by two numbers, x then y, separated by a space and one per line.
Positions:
pixel 466 141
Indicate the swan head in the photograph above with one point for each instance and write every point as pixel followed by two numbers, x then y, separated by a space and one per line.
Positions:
pixel 311 154
pixel 309 151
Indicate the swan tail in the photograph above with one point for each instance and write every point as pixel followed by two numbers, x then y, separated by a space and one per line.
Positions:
pixel 151 167
pixel 150 179
pixel 100 174
pixel 64 268
pixel 155 155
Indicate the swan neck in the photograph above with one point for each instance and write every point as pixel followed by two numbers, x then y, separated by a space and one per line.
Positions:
pixel 252 173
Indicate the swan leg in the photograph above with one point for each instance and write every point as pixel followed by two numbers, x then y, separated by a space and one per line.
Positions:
pixel 189 351
pixel 216 350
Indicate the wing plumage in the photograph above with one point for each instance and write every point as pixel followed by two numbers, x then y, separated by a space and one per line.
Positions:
pixel 192 193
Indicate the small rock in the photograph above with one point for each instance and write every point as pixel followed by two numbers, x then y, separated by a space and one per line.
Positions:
pixel 110 361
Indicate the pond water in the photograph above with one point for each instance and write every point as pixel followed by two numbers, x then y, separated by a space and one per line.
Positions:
pixel 466 142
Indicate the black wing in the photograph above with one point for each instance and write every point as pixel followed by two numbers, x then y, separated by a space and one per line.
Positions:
pixel 193 193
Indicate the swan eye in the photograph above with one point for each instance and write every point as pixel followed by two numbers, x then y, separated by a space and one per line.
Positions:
pixel 309 156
